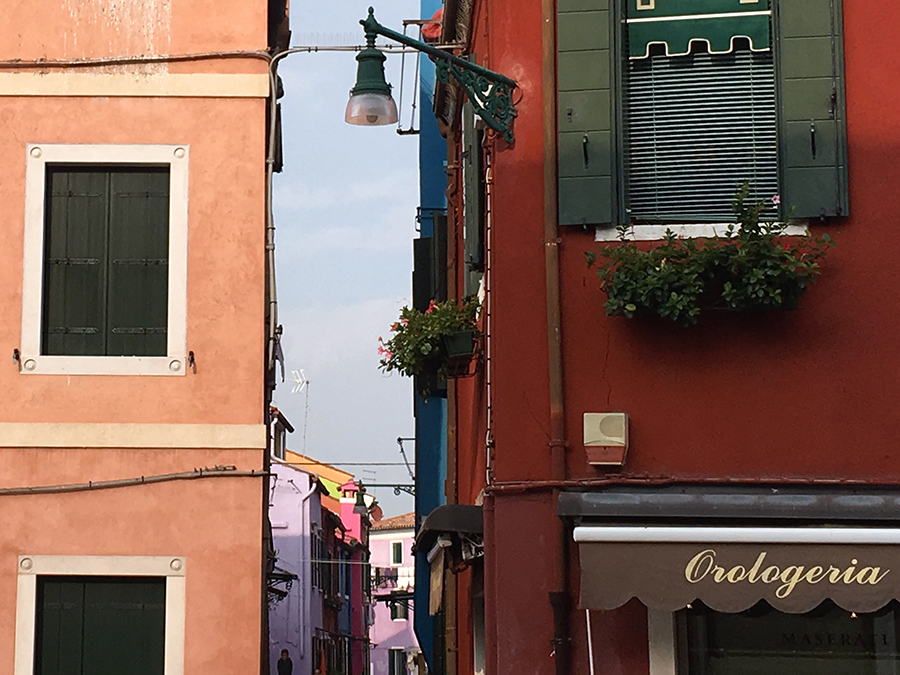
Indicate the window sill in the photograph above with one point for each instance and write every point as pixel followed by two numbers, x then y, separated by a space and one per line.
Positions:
pixel 101 365
pixel 658 232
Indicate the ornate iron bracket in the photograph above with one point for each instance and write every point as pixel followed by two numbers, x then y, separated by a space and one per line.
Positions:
pixel 489 92
pixel 398 488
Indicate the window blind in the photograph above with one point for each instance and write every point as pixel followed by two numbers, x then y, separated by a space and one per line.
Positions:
pixel 696 127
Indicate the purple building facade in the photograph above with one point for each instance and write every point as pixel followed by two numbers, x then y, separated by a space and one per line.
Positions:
pixel 295 511
pixel 319 600
pixel 394 648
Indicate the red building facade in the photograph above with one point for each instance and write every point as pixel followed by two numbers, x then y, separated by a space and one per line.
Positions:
pixel 746 429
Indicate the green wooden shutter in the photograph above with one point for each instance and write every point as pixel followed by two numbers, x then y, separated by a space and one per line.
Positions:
pixel 421 275
pixel 586 140
pixel 430 265
pixel 75 262
pixel 137 299
pixel 59 626
pixel 124 627
pixel 473 185
pixel 813 126
pixel 100 626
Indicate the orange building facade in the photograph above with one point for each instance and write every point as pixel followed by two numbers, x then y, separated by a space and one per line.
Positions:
pixel 134 317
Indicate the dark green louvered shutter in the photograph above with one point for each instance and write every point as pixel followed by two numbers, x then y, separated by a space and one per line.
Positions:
pixel 584 120
pixel 106 262
pixel 813 126
pixel 100 626
pixel 421 275
pixel 75 262
pixel 430 265
pixel 60 626
pixel 473 185
pixel 138 263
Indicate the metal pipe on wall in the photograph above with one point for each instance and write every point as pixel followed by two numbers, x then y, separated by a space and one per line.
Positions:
pixel 559 596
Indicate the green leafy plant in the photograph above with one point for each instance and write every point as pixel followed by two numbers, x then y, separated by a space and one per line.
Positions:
pixel 418 341
pixel 753 266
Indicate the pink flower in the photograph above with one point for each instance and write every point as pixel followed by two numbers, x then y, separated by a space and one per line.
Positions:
pixel 431 307
pixel 776 200
pixel 388 354
pixel 395 326
pixel 380 350
pixel 404 322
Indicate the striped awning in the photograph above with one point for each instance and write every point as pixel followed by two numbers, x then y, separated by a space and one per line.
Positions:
pixel 675 24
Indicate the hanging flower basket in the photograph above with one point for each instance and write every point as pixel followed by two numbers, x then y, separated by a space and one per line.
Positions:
pixel 459 348
pixel 439 340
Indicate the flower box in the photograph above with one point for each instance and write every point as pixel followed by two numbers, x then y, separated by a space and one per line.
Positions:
pixel 753 267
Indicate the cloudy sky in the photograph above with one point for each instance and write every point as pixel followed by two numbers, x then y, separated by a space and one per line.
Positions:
pixel 345 210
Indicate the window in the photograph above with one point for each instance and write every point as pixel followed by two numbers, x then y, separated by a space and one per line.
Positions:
pixel 824 641
pixel 396 553
pixel 399 610
pixel 396 662
pixel 472 161
pixel 663 110
pixel 100 624
pixel 99 614
pixel 105 260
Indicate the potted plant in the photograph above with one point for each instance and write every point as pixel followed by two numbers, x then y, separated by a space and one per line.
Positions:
pixel 439 340
pixel 753 266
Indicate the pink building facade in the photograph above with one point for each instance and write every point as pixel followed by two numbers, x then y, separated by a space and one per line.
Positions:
pixel 133 438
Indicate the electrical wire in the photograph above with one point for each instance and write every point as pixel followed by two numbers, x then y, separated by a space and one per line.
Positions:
pixel 214 472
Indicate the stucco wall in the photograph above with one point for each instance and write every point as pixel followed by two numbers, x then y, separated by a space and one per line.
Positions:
pixel 213 523
pixel 225 259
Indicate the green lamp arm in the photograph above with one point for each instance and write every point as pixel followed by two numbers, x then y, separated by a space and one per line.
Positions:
pixel 489 92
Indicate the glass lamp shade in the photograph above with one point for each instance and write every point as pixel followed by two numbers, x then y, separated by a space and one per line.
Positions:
pixel 371 110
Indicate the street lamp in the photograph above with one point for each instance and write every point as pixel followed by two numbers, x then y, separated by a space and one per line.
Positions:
pixel 371 103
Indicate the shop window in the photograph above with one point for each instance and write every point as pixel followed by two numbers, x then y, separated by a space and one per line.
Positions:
pixel 827 640
pixel 665 107
pixel 105 260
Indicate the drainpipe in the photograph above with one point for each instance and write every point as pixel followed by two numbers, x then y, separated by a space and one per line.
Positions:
pixel 559 597
pixel 492 662
pixel 304 607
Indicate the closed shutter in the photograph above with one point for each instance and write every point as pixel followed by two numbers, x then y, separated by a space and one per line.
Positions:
pixel 812 106
pixel 138 263
pixel 430 265
pixel 585 147
pixel 74 293
pixel 100 626
pixel 106 262
pixel 473 186
pixel 59 626
pixel 696 127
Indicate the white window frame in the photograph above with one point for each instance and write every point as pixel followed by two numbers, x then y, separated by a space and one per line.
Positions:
pixel 32 566
pixel 396 564
pixel 177 159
